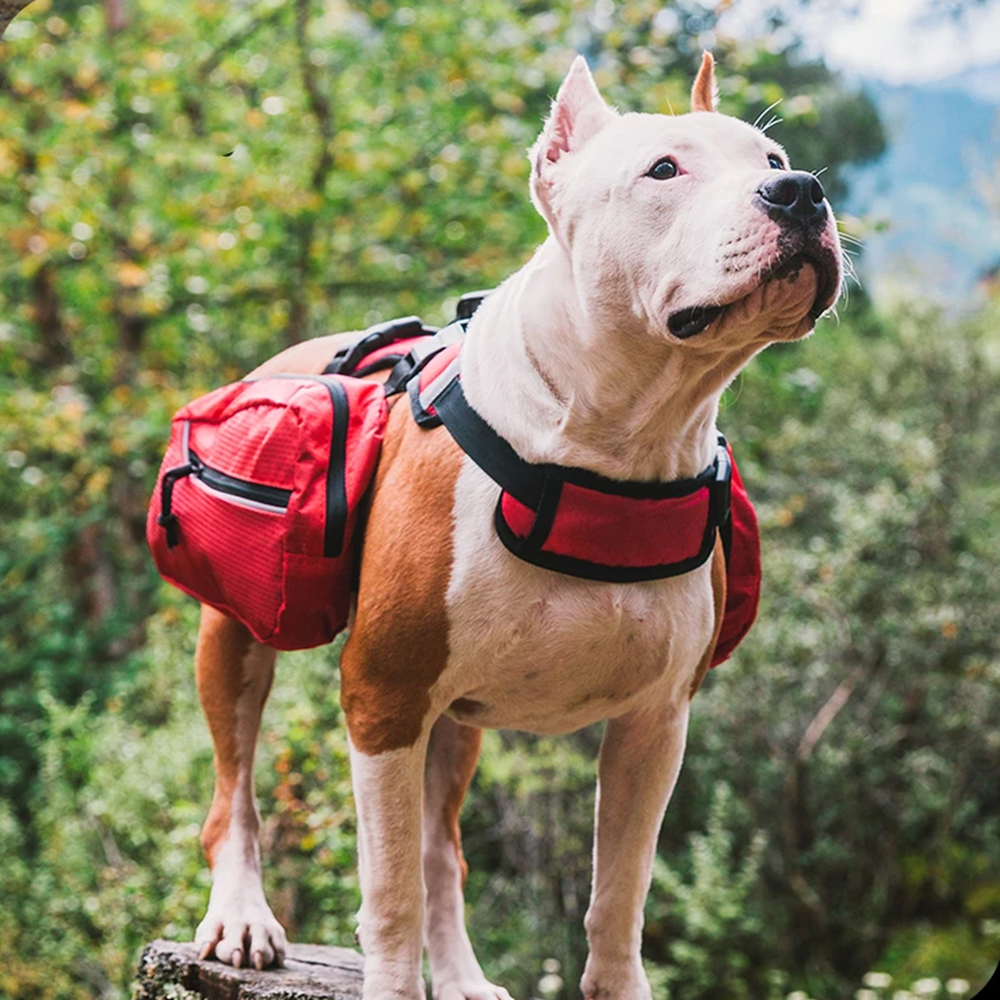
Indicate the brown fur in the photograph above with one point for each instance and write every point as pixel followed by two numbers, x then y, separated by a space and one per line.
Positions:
pixel 719 593
pixel 223 674
pixel 308 358
pixel 451 763
pixel 398 645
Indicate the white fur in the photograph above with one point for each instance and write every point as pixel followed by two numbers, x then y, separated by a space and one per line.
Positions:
pixel 388 789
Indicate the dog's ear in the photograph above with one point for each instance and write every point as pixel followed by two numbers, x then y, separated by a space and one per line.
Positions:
pixel 578 114
pixel 704 93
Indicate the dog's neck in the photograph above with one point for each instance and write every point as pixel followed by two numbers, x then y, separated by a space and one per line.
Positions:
pixel 561 387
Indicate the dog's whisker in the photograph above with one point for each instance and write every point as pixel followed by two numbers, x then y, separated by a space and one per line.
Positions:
pixel 850 238
pixel 766 110
pixel 774 121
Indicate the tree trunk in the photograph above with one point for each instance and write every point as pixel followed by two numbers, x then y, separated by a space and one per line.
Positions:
pixel 115 15
pixel 311 972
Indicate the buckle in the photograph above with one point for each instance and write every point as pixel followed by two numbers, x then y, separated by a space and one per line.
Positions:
pixel 720 489
pixel 469 303
pixel 414 362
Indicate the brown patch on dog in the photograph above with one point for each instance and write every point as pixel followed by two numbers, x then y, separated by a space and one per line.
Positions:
pixel 451 763
pixel 218 668
pixel 308 358
pixel 398 645
pixel 719 593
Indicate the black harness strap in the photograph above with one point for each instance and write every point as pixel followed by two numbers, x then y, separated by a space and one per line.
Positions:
pixel 348 359
pixel 539 486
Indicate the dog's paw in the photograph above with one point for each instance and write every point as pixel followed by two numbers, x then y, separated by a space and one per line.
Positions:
pixel 471 990
pixel 620 983
pixel 242 935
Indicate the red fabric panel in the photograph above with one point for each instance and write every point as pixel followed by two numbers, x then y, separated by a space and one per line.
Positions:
pixel 520 519
pixel 625 531
pixel 438 363
pixel 743 571
pixel 396 348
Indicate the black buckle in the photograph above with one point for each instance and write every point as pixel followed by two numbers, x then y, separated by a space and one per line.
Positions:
pixel 469 303
pixel 414 362
pixel 720 489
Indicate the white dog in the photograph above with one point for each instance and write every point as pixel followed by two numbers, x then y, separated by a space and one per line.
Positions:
pixel 678 248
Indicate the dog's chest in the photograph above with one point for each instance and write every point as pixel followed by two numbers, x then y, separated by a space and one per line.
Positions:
pixel 537 650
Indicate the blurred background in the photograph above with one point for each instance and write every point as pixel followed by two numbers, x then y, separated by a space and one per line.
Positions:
pixel 186 187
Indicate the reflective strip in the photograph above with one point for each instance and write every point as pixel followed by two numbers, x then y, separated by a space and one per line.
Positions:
pixel 436 386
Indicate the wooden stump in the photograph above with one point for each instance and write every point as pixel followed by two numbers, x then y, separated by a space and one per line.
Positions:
pixel 171 971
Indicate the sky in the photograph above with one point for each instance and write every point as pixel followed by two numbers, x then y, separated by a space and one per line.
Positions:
pixel 889 40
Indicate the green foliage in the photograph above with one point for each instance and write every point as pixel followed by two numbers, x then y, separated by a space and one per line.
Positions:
pixel 712 923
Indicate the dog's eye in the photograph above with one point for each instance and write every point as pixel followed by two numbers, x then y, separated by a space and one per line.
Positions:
pixel 663 169
pixel 774 161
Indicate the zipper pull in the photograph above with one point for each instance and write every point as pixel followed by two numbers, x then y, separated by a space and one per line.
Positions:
pixel 168 519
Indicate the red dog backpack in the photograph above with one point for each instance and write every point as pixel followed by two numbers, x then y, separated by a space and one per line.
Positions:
pixel 257 501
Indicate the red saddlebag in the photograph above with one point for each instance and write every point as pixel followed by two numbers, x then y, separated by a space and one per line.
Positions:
pixel 257 500
pixel 741 542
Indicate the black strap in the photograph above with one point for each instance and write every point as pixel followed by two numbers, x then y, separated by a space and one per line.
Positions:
pixel 347 359
pixel 526 481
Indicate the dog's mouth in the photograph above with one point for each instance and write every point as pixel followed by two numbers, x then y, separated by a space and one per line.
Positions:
pixel 687 323
pixel 690 322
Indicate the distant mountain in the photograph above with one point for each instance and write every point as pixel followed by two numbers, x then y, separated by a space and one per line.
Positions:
pixel 944 150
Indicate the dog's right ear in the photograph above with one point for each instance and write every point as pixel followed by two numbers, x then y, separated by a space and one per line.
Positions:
pixel 704 93
pixel 578 114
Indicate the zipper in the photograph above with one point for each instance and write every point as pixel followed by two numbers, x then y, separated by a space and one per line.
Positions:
pixel 269 499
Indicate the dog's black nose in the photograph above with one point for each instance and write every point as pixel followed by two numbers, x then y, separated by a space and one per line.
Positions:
pixel 793 196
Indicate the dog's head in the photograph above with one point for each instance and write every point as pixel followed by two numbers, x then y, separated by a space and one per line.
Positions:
pixel 693 227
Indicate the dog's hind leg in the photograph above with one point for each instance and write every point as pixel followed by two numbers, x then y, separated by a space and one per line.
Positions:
pixel 234 674
pixel 451 763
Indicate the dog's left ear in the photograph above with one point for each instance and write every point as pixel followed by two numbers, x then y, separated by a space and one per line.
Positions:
pixel 578 114
pixel 704 93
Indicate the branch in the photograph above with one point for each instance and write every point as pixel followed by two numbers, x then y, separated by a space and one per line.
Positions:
pixel 830 710
pixel 189 101
pixel 115 16
pixel 235 40
pixel 9 9
pixel 318 103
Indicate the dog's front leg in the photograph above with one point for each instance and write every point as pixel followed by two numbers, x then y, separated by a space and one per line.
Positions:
pixel 388 790
pixel 641 757
pixel 451 763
